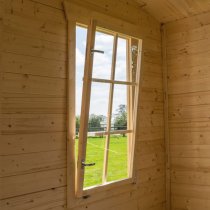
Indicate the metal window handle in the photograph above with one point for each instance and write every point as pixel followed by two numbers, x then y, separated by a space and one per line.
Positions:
pixel 97 51
pixel 87 164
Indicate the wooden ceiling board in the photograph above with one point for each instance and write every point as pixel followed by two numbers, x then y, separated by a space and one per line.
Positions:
pixel 170 10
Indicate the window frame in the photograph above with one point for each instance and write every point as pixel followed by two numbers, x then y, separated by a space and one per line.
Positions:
pixel 132 103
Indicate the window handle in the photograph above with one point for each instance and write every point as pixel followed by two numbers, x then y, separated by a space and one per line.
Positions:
pixel 87 164
pixel 97 51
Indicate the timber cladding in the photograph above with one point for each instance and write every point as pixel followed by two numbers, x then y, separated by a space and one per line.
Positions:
pixel 188 58
pixel 33 142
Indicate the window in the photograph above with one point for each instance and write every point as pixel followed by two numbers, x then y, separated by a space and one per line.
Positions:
pixel 106 101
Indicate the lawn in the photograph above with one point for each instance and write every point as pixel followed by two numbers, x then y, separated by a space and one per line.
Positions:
pixel 117 162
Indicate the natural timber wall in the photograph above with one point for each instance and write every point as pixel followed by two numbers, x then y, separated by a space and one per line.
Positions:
pixel 33 145
pixel 188 58
pixel 33 162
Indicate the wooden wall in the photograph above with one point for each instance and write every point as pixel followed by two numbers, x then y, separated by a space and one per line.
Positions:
pixel 33 145
pixel 188 58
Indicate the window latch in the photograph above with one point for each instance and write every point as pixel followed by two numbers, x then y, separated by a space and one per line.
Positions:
pixel 97 51
pixel 87 164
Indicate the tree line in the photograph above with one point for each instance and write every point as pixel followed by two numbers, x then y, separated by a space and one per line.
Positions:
pixel 95 122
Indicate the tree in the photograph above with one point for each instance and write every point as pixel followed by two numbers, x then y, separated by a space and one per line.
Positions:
pixel 77 123
pixel 120 119
pixel 94 123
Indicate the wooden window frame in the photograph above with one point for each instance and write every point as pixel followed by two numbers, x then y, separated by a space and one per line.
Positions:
pixel 73 15
pixel 131 86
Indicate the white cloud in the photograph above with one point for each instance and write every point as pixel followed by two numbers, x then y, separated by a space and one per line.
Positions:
pixel 102 69
pixel 80 58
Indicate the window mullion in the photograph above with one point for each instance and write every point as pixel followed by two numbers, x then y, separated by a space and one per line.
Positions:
pixel 109 116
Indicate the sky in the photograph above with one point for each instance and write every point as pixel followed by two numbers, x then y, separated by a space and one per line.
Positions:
pixel 102 70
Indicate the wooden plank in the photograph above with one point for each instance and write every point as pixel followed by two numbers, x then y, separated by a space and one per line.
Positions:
pixel 189 190
pixel 189 48
pixel 189 112
pixel 149 147
pixel 52 198
pixel 151 80
pixel 32 143
pixel 30 183
pixel 151 200
pixel 52 3
pixel 110 106
pixel 71 112
pixel 154 186
pixel 188 61
pixel 191 35
pixel 148 25
pixel 23 45
pixel 190 151
pixel 192 203
pixel 30 123
pixel 150 133
pixel 193 177
pixel 111 132
pixel 190 100
pixel 32 9
pixel 166 118
pixel 28 84
pixel 186 24
pixel 33 105
pixel 35 28
pixel 112 81
pixel 150 160
pixel 1 75
pixel 85 106
pixel 190 163
pixel 13 165
pixel 189 138
pixel 22 64
pixel 150 173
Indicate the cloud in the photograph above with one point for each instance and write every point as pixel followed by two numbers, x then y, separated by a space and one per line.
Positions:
pixel 80 58
pixel 102 69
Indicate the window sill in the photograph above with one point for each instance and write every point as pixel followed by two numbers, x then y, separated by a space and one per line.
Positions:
pixel 107 186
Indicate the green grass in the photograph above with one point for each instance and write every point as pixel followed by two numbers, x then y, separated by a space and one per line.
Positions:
pixel 117 163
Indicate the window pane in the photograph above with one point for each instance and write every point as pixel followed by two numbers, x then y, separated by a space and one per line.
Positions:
pixel 96 144
pixel 119 112
pixel 121 62
pixel 94 154
pixel 117 161
pixel 81 36
pixel 102 62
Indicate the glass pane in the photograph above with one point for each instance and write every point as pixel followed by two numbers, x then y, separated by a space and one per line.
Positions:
pixel 81 36
pixel 102 62
pixel 94 154
pixel 95 143
pixel 117 161
pixel 121 62
pixel 119 112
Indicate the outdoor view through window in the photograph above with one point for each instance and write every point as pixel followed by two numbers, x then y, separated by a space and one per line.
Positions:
pixel 109 108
